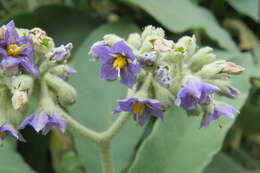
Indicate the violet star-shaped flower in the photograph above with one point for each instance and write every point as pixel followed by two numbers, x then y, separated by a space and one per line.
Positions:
pixel 17 50
pixel 221 109
pixel 43 122
pixel 118 62
pixel 195 92
pixel 8 130
pixel 142 110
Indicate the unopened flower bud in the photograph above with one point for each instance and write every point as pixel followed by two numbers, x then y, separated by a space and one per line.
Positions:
pixel 23 83
pixel 163 95
pixel 111 39
pixel 232 68
pixel 62 52
pixel 163 45
pixel 134 40
pixel 163 76
pixel 186 45
pixel 63 70
pixel 43 43
pixel 19 99
pixel 65 92
pixel 151 30
pixel 202 57
pixel 219 67
pixel 148 59
pixel 148 43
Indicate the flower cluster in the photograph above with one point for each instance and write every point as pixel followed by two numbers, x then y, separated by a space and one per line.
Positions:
pixel 28 57
pixel 162 73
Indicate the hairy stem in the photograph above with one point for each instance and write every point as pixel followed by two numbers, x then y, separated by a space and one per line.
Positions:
pixel 106 157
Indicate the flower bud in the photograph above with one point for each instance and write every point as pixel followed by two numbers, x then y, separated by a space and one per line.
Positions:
pixel 202 57
pixel 148 59
pixel 151 30
pixel 148 43
pixel 163 76
pixel 134 40
pixel 219 67
pixel 111 39
pixel 62 70
pixel 65 92
pixel 61 53
pixel 19 99
pixel 163 95
pixel 22 83
pixel 186 45
pixel 43 43
pixel 163 45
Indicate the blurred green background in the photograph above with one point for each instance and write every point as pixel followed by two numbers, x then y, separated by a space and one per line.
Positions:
pixel 177 145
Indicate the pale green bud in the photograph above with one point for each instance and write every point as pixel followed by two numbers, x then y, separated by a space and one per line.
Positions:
pixel 202 57
pixel 135 40
pixel 111 39
pixel 60 70
pixel 218 68
pixel 22 83
pixel 148 43
pixel 163 95
pixel 152 31
pixel 65 92
pixel 186 45
pixel 19 99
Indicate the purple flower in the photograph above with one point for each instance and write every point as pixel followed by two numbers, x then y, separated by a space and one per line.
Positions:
pixel 62 52
pixel 220 109
pixel 16 50
pixel 141 109
pixel 118 62
pixel 43 122
pixel 8 130
pixel 195 92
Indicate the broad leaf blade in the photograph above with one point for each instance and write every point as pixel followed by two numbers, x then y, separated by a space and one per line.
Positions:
pixel 11 161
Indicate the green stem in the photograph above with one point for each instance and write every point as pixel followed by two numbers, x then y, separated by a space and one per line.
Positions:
pixel 106 157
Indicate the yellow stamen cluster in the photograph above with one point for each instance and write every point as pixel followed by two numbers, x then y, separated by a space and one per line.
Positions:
pixel 14 50
pixel 139 108
pixel 119 63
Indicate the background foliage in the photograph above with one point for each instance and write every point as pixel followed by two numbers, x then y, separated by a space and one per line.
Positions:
pixel 176 144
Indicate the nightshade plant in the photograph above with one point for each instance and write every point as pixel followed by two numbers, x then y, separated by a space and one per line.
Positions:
pixel 158 73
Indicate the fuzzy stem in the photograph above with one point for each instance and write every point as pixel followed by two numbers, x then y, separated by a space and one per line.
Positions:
pixel 106 157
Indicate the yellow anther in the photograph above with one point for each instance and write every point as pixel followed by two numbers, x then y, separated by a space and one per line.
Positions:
pixel 14 50
pixel 120 62
pixel 139 108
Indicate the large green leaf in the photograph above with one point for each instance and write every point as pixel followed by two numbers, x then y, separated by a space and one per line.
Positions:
pixel 62 23
pixel 181 15
pixel 250 8
pixel 97 99
pixel 11 161
pixel 224 164
pixel 180 145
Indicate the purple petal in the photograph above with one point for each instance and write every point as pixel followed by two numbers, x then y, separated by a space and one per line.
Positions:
pixel 29 65
pixel 11 35
pixel 121 48
pixel 103 53
pixel 108 71
pixel 8 62
pixel 127 78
